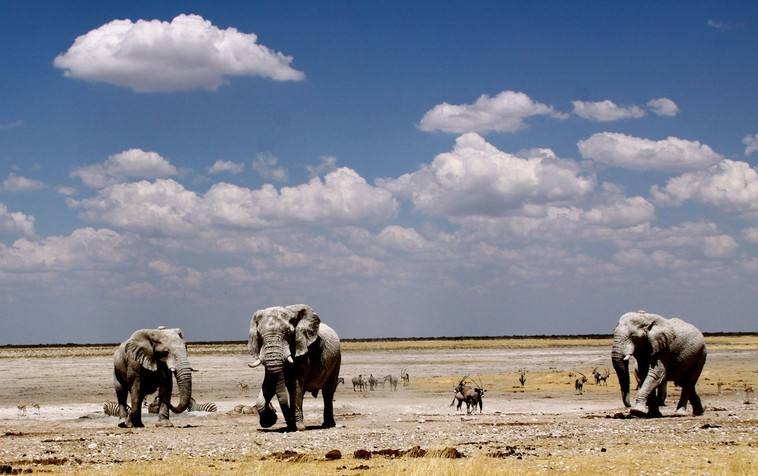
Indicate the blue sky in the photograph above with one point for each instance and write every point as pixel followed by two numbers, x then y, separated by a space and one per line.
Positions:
pixel 407 169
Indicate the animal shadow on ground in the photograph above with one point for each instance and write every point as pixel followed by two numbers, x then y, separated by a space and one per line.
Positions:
pixel 284 429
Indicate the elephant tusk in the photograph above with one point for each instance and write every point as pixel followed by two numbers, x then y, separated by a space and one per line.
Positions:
pixel 289 359
pixel 626 357
pixel 172 369
pixel 254 364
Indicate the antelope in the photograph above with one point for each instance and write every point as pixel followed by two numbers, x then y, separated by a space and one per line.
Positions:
pixel 579 384
pixel 21 409
pixel 748 394
pixel 471 395
pixel 522 377
pixel 243 387
pixel 601 376
pixel 36 408
pixel 341 380
pixel 405 377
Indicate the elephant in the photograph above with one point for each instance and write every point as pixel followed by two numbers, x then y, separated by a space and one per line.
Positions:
pixel 665 350
pixel 299 354
pixel 146 362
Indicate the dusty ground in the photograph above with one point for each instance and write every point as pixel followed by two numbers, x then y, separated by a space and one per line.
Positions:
pixel 542 427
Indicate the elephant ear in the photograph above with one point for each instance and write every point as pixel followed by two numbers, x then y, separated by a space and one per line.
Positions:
pixel 253 340
pixel 659 335
pixel 306 324
pixel 141 348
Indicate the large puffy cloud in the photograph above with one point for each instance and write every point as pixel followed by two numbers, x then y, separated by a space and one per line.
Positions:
pixel 160 205
pixel 502 113
pixel 606 111
pixel 15 222
pixel 187 53
pixel 83 249
pixel 478 179
pixel 18 183
pixel 670 154
pixel 129 164
pixel 730 185
pixel 164 205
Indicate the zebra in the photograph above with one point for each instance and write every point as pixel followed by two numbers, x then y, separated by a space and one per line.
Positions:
pixel 372 382
pixel 112 409
pixel 392 380
pixel 192 407
pixel 358 383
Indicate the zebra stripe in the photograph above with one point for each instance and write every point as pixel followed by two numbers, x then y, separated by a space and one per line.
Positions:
pixel 111 408
pixel 203 407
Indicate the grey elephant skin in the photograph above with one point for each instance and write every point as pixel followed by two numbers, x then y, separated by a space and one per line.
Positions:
pixel 148 361
pixel 666 350
pixel 300 354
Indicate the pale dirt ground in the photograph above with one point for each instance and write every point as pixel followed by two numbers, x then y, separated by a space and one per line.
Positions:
pixel 545 424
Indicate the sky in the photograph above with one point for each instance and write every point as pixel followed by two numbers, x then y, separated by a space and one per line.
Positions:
pixel 406 168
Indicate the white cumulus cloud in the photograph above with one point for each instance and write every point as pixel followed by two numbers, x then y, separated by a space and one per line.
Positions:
pixel 165 206
pixel 326 164
pixel 83 249
pixel 478 179
pixel 504 112
pixel 129 164
pixel 226 166
pixel 663 107
pixel 15 222
pixel 751 144
pixel 606 111
pixel 266 166
pixel 17 183
pixel 187 53
pixel 669 154
pixel 730 185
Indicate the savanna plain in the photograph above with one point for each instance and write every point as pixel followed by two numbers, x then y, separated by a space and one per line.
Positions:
pixel 51 416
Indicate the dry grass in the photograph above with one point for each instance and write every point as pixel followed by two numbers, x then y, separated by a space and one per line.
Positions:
pixel 620 460
pixel 741 342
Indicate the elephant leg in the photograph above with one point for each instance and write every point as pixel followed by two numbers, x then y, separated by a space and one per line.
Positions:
pixel 121 395
pixel 328 393
pixel 681 406
pixel 164 394
pixel 135 415
pixel 296 390
pixel 697 406
pixel 662 393
pixel 653 379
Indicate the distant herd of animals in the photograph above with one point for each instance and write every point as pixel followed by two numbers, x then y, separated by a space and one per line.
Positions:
pixel 302 354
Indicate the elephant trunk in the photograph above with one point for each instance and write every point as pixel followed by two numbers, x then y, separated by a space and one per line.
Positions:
pixel 275 352
pixel 620 359
pixel 183 375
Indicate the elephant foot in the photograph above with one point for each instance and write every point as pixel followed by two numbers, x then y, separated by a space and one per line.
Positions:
pixel 164 424
pixel 328 424
pixel 122 424
pixel 654 413
pixel 697 411
pixel 639 410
